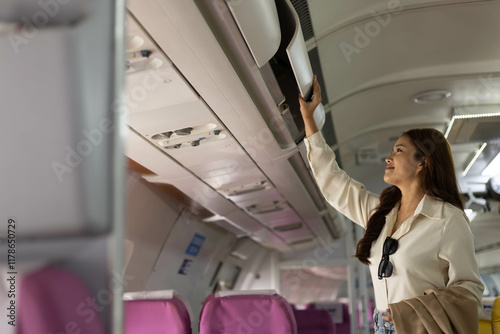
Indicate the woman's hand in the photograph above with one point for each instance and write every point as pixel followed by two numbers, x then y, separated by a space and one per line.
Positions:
pixel 387 317
pixel 307 109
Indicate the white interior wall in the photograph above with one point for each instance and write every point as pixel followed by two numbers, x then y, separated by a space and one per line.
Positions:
pixel 250 273
pixel 190 273
pixel 151 215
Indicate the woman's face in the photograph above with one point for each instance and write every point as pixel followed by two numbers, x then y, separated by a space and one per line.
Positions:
pixel 402 167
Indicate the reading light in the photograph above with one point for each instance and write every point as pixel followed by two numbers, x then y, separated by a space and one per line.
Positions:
pixel 478 153
pixel 493 168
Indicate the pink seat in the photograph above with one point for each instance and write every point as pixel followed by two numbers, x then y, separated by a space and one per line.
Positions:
pixel 156 314
pixel 261 313
pixel 345 326
pixel 52 300
pixel 311 321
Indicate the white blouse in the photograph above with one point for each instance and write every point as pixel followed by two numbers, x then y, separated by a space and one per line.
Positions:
pixel 436 246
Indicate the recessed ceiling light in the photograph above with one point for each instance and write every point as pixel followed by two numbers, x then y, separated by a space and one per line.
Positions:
pixel 430 96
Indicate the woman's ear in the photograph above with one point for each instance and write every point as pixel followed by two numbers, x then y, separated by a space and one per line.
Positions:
pixel 423 164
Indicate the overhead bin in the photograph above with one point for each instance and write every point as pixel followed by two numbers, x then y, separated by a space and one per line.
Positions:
pixel 289 63
pixel 259 24
pixel 246 103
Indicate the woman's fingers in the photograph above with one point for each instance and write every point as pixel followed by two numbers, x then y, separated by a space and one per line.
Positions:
pixel 387 317
pixel 307 108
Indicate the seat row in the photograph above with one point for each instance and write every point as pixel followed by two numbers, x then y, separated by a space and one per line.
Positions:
pixel 53 300
pixel 229 312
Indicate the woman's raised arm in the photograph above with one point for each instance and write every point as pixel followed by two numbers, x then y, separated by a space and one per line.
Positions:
pixel 307 108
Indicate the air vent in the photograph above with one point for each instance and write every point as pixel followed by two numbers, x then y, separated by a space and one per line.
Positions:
pixel 188 136
pixel 303 241
pixel 263 208
pixel 163 135
pixel 184 131
pixel 302 10
pixel 289 227
pixel 247 188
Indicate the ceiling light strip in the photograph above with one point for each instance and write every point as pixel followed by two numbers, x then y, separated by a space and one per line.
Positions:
pixel 468 116
pixel 449 127
pixel 477 115
pixel 478 153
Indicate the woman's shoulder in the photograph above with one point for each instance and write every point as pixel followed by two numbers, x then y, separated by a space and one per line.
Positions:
pixel 447 211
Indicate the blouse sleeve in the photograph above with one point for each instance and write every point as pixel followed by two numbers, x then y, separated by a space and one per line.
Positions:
pixel 346 195
pixel 457 250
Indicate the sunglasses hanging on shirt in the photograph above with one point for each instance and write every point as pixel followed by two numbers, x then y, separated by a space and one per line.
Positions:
pixel 385 267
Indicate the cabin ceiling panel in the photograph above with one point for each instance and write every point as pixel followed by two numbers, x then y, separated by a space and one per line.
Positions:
pixel 392 105
pixel 265 196
pixel 156 88
pixel 268 195
pixel 295 235
pixel 230 182
pixel 151 82
pixel 268 239
pixel 283 217
pixel 449 40
pixel 393 112
pixel 329 16
pixel 213 159
pixel 239 218
pixel 171 118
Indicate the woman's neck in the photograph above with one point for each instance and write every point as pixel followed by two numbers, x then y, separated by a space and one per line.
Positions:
pixel 410 198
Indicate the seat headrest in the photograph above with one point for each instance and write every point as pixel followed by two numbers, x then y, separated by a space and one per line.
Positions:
pixel 242 312
pixel 166 316
pixel 52 298
pixel 158 295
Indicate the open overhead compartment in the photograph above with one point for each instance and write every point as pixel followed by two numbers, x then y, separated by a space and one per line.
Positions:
pixel 215 127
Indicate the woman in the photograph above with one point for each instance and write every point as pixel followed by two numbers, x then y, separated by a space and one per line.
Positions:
pixel 417 239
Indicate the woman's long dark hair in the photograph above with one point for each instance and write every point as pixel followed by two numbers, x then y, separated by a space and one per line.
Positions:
pixel 439 181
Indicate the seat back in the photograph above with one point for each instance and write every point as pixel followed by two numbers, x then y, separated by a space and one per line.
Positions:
pixel 247 312
pixel 312 321
pixel 345 326
pixel 52 300
pixel 156 312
